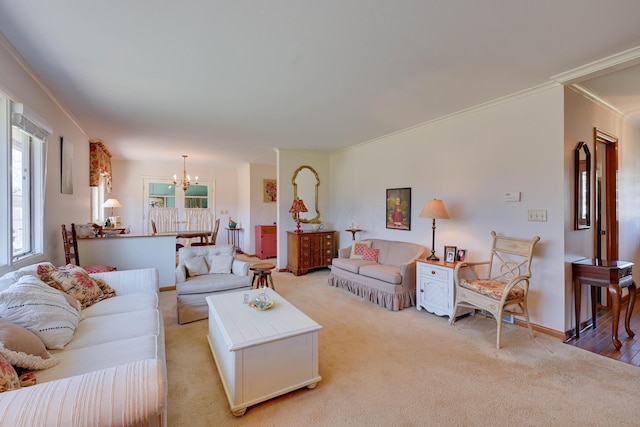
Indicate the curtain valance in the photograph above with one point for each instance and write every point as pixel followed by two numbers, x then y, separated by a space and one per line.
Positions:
pixel 99 164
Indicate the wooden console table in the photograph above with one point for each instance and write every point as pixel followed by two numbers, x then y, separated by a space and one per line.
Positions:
pixel 610 274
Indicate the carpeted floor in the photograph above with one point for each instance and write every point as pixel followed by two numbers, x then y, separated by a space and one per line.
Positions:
pixel 407 368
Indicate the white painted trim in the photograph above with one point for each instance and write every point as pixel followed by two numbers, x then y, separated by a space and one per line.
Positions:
pixel 600 67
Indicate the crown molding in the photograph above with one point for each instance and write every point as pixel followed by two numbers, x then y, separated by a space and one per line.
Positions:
pixel 600 67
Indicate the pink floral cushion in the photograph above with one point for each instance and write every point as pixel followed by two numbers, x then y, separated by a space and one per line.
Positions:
pixel 491 287
pixel 73 280
pixel 370 254
pixel 8 376
pixel 99 269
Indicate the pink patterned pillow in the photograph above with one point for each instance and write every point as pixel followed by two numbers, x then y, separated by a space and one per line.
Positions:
pixel 359 250
pixel 370 254
pixel 8 376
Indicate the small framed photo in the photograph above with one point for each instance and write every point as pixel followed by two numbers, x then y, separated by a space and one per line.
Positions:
pixel 450 253
pixel 461 255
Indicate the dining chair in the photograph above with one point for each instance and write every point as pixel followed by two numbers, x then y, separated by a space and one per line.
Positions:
pixel 212 237
pixel 71 255
pixel 504 289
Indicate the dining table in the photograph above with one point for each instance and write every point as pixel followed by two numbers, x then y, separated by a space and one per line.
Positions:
pixel 191 234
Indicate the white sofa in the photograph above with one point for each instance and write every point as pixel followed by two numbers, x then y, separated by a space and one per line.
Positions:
pixel 113 371
pixel 191 290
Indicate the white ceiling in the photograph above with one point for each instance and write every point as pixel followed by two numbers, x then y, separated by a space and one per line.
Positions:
pixel 227 81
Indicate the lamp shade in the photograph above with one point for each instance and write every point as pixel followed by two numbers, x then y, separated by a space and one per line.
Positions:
pixel 434 209
pixel 112 203
pixel 298 206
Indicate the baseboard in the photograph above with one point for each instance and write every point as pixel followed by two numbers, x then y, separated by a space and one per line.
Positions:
pixel 167 288
pixel 547 331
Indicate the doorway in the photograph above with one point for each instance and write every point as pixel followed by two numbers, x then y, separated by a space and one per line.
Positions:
pixel 606 201
pixel 606 195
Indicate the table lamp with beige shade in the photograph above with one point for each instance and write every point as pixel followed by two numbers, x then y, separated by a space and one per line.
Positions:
pixel 434 209
pixel 113 203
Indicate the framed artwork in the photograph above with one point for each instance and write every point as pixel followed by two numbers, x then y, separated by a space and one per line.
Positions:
pixel 450 253
pixel 398 208
pixel 66 167
pixel 461 255
pixel 270 190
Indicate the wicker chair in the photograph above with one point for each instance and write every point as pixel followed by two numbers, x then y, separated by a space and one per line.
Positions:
pixel 506 286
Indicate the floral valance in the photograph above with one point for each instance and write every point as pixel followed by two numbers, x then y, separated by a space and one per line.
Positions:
pixel 99 164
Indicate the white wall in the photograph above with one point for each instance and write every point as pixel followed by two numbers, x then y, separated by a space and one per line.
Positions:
pixel 260 212
pixel 469 161
pixel 128 188
pixel 20 86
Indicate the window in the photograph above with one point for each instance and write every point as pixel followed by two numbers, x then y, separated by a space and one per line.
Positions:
pixel 24 186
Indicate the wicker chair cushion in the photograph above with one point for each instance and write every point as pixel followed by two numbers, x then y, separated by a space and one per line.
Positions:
pixel 492 288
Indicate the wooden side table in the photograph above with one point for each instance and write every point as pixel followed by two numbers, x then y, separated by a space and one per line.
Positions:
pixel 233 237
pixel 611 274
pixel 353 232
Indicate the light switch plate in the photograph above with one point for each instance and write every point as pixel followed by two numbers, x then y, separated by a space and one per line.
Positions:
pixel 537 215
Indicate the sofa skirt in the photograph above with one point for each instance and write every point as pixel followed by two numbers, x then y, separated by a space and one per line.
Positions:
pixel 365 288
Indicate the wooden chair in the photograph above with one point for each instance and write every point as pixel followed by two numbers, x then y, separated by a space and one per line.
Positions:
pixel 213 237
pixel 506 286
pixel 71 255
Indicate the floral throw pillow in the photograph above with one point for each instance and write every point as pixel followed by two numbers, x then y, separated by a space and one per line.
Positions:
pixel 73 280
pixel 370 254
pixel 8 376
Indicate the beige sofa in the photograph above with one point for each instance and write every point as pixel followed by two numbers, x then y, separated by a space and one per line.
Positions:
pixel 390 282
pixel 112 372
pixel 193 286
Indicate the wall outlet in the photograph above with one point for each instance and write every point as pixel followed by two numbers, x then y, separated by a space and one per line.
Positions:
pixel 538 215
pixel 513 196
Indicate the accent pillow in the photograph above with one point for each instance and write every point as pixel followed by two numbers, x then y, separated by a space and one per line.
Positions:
pixel 196 266
pixel 220 264
pixel 73 302
pixel 73 280
pixel 23 348
pixel 107 290
pixel 32 304
pixel 370 254
pixel 357 248
pixel 8 376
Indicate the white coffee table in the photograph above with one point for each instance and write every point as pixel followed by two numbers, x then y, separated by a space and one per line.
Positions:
pixel 261 354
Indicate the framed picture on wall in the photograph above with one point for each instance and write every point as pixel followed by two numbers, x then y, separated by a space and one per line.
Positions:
pixel 398 209
pixel 270 190
pixel 66 167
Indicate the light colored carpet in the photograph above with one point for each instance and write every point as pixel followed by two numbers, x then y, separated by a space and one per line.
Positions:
pixel 407 368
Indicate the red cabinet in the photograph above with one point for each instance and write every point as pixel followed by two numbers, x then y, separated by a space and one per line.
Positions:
pixel 266 240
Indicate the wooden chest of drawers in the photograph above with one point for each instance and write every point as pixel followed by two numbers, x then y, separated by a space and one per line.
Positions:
pixel 310 249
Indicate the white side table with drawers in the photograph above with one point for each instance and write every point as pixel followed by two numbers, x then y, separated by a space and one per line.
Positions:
pixel 435 289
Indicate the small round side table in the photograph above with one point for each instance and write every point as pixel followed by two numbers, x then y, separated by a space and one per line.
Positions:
pixel 353 232
pixel 262 271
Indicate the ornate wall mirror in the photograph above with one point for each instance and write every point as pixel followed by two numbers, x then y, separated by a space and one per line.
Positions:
pixel 582 158
pixel 305 186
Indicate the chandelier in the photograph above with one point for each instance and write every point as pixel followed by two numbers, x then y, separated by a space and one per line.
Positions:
pixel 186 179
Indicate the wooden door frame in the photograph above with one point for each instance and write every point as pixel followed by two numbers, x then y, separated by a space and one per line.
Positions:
pixel 611 169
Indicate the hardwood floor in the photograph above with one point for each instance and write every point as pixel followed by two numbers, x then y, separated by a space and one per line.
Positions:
pixel 599 340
